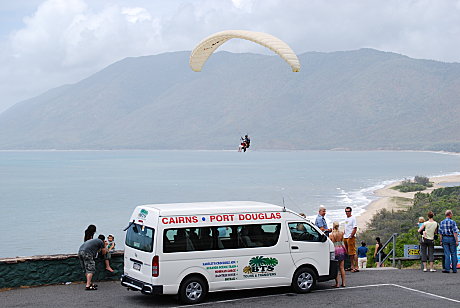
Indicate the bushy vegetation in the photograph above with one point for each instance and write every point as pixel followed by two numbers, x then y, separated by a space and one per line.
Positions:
pixel 405 222
pixel 418 184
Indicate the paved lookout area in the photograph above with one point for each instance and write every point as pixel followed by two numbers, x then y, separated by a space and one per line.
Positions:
pixel 368 288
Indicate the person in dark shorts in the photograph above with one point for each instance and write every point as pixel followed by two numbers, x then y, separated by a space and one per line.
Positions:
pixel 87 253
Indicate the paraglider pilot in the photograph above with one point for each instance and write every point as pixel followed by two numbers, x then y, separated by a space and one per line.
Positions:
pixel 245 143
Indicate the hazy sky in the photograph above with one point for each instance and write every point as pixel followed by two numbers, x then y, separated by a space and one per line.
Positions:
pixel 47 43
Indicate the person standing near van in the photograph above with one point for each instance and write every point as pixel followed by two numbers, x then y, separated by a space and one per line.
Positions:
pixel 320 221
pixel 87 254
pixel 340 252
pixel 379 254
pixel 448 232
pixel 362 255
pixel 350 240
pixel 428 229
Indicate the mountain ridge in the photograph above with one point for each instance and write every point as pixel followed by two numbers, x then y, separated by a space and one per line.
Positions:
pixel 361 99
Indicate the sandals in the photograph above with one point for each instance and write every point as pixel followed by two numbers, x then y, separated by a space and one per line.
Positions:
pixel 355 270
pixel 91 288
pixel 94 285
pixel 335 286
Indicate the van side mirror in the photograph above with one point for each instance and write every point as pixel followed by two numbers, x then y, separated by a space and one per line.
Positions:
pixel 322 238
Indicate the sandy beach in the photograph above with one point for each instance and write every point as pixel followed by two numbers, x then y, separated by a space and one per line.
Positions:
pixel 393 199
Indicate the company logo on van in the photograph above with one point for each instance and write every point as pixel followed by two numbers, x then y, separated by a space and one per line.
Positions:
pixel 143 214
pixel 260 266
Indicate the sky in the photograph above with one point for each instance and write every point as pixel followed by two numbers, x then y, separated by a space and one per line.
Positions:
pixel 47 43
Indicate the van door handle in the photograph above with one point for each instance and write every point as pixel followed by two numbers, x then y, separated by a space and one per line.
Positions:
pixel 294 247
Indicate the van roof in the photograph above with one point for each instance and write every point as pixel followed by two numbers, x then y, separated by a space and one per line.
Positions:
pixel 221 207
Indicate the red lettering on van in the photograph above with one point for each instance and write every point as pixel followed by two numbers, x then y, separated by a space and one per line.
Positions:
pixel 228 217
pixel 221 218
pixel 179 220
pixel 253 216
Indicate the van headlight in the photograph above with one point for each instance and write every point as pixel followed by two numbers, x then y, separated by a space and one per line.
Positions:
pixel 332 255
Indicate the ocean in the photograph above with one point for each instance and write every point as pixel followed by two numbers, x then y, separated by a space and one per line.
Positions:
pixel 48 198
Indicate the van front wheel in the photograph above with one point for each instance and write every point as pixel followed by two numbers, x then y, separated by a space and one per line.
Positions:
pixel 192 290
pixel 304 280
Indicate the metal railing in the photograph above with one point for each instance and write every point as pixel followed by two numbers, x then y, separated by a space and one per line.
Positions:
pixel 392 251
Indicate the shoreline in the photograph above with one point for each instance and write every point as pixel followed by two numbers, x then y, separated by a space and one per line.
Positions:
pixel 391 199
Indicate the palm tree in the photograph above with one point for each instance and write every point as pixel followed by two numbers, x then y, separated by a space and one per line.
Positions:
pixel 247 270
pixel 257 261
pixel 271 261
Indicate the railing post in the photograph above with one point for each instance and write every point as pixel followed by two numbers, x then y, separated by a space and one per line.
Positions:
pixel 394 249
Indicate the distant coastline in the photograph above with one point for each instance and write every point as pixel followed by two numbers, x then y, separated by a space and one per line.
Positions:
pixel 389 198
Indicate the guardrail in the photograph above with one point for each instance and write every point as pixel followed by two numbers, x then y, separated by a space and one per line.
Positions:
pixel 392 251
pixel 438 255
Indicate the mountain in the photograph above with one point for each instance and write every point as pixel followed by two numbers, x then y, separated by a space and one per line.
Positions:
pixel 362 99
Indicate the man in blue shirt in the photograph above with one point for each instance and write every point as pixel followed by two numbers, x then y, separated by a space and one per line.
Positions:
pixel 320 221
pixel 362 256
pixel 448 232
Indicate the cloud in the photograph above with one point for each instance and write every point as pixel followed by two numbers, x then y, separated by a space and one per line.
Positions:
pixel 63 41
pixel 136 14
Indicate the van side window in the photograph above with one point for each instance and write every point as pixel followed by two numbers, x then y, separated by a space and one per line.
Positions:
pixel 222 237
pixel 301 231
pixel 176 240
pixel 227 237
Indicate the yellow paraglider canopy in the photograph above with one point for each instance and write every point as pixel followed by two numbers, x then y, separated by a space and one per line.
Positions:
pixel 206 47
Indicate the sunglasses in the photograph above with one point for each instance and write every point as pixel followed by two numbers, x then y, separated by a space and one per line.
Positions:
pixel 347 211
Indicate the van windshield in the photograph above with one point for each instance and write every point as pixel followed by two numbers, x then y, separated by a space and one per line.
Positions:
pixel 140 237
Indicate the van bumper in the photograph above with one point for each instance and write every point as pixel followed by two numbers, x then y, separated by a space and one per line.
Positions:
pixel 138 285
pixel 333 270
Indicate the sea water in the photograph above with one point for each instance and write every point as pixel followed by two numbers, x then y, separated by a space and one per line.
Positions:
pixel 48 198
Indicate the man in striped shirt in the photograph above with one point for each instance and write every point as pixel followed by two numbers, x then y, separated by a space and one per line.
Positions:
pixel 449 240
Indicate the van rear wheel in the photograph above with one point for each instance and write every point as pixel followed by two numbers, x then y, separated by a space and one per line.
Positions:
pixel 304 280
pixel 193 290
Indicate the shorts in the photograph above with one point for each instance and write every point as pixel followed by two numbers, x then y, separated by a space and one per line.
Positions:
pixel 350 244
pixel 87 262
pixel 107 256
pixel 362 262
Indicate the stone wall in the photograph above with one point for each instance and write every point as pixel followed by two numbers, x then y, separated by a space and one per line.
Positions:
pixel 53 269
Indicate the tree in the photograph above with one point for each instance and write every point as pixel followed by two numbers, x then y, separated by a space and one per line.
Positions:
pixel 422 180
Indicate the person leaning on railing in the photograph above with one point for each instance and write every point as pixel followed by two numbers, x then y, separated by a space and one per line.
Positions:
pixel 448 232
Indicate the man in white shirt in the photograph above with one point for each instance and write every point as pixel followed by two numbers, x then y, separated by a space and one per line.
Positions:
pixel 349 238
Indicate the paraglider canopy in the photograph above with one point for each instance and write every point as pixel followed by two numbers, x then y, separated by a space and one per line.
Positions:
pixel 206 47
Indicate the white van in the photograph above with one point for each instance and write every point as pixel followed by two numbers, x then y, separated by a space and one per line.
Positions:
pixel 191 249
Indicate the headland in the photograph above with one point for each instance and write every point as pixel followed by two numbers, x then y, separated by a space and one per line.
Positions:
pixel 391 199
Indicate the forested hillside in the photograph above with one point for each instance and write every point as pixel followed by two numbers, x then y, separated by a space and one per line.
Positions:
pixel 404 222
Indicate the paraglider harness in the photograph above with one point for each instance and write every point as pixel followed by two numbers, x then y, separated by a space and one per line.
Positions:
pixel 245 143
